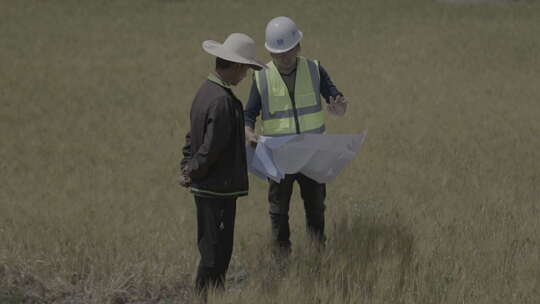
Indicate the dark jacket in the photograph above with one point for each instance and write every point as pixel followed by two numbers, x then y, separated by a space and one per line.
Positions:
pixel 215 152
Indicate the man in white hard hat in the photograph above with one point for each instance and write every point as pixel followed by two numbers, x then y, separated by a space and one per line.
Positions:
pixel 288 95
pixel 214 164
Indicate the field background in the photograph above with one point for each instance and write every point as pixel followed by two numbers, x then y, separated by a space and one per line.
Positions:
pixel 442 205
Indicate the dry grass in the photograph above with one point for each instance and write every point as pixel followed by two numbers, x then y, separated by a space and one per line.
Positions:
pixel 441 206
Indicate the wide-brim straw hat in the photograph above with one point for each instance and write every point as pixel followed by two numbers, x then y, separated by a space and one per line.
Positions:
pixel 238 47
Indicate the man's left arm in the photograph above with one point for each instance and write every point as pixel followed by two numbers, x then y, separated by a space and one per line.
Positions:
pixel 337 104
pixel 216 138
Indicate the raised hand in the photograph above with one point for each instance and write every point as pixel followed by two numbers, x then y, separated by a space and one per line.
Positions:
pixel 337 105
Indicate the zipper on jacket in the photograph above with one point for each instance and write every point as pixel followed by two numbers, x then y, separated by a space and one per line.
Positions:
pixel 293 102
pixel 295 112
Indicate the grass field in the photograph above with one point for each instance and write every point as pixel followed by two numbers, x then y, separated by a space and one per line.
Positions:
pixel 442 205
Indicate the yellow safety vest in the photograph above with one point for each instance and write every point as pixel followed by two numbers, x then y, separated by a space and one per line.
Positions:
pixel 278 111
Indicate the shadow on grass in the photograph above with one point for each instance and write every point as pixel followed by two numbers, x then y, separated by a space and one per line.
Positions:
pixel 12 299
pixel 371 259
pixel 364 260
pixel 383 256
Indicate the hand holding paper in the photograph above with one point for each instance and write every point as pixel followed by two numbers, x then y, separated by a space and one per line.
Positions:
pixel 320 157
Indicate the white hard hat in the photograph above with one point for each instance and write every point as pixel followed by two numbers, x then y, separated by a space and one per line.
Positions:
pixel 282 35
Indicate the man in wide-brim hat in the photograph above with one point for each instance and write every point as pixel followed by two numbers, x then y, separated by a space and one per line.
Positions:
pixel 214 164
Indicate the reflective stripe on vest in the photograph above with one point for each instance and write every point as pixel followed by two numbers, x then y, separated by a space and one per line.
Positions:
pixel 277 110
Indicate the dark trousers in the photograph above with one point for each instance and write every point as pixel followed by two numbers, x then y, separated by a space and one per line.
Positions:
pixel 215 232
pixel 279 196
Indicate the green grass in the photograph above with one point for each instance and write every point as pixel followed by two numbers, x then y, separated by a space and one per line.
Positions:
pixel 440 206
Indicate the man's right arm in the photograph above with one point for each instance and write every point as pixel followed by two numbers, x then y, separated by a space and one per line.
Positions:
pixel 184 179
pixel 251 112
pixel 186 151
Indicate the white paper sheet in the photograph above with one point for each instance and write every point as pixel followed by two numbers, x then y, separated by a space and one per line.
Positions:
pixel 319 156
